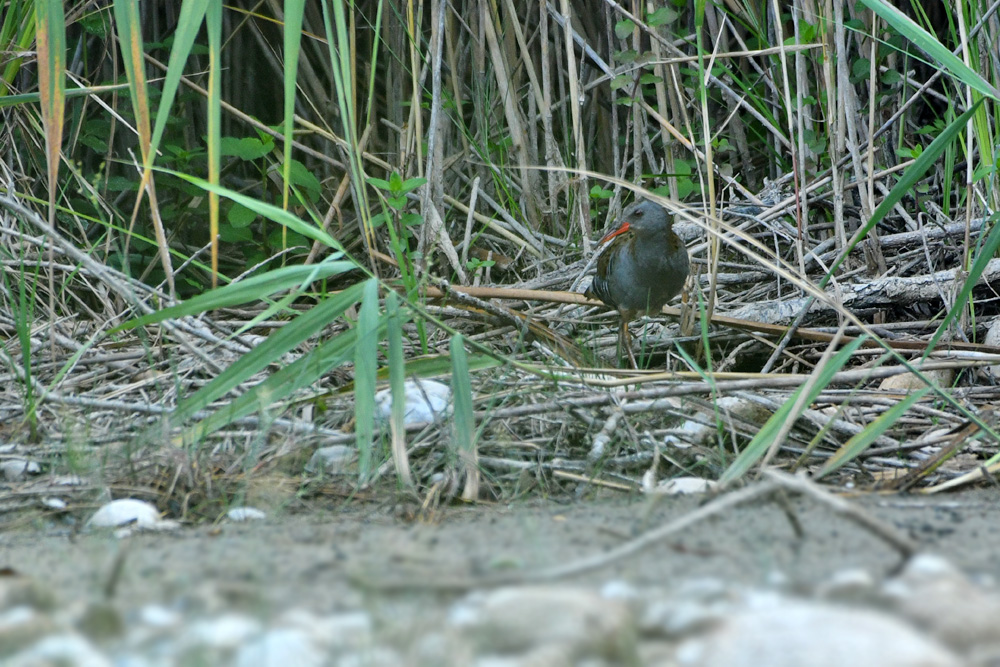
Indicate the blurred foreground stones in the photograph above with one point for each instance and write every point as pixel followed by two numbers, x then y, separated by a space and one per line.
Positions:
pixel 929 615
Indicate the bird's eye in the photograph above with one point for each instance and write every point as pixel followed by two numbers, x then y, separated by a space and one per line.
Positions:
pixel 638 213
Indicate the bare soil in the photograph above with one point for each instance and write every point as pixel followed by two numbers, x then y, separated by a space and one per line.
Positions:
pixel 314 560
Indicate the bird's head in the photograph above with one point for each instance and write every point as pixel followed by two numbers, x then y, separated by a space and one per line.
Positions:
pixel 642 218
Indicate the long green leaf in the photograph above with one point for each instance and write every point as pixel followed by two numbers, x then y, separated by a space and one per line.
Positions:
pixel 282 383
pixel 270 351
pixel 213 23
pixel 860 441
pixel 910 177
pixel 188 24
pixel 463 423
pixel 760 443
pixel 51 44
pixel 365 366
pixel 293 38
pixel 269 211
pixel 930 45
pixel 986 253
pixel 244 291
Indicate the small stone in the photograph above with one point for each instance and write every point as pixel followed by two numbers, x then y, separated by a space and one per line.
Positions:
pixel 20 627
pixel 352 630
pixel 425 401
pixel 224 632
pixel 66 650
pixel 793 633
pixel 519 619
pixel 333 460
pixel 126 511
pixel 939 598
pixel 680 486
pixel 15 470
pixel 245 514
pixel 910 382
pixel 280 648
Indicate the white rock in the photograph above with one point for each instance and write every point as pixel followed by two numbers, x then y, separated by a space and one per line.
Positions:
pixel 379 656
pixel 57 504
pixel 703 430
pixel 939 598
pixel 68 650
pixel 126 511
pixel 245 514
pixel 853 584
pixel 794 634
pixel 332 460
pixel 158 616
pixel 351 630
pixel 14 470
pixel 682 486
pixel 280 648
pixel 520 619
pixel 993 339
pixel 224 632
pixel 425 401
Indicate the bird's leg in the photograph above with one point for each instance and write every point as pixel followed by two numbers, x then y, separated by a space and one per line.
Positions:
pixel 625 340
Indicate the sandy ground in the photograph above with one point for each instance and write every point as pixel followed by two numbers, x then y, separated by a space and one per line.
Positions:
pixel 309 560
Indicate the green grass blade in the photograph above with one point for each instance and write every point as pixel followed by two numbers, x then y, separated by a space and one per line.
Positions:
pixel 213 24
pixel 397 386
pixel 986 253
pixel 463 423
pixel 244 291
pixel 188 24
pixel 365 367
pixel 269 211
pixel 51 45
pixel 860 442
pixel 930 45
pixel 760 443
pixel 905 185
pixel 282 383
pixel 293 39
pixel 270 351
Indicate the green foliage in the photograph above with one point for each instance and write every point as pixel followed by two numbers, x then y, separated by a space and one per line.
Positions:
pixel 401 223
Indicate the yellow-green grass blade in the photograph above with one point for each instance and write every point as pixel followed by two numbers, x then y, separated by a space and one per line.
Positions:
pixel 17 32
pixel 986 253
pixel 50 39
pixel 269 211
pixel 293 37
pixel 213 23
pixel 282 383
pixel 914 173
pixel 188 24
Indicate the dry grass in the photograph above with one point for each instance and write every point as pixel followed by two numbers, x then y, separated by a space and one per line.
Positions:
pixel 531 132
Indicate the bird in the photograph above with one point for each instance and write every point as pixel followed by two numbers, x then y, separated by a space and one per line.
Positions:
pixel 643 268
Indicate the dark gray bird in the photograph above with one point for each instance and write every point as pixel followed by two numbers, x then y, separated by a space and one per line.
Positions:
pixel 643 268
